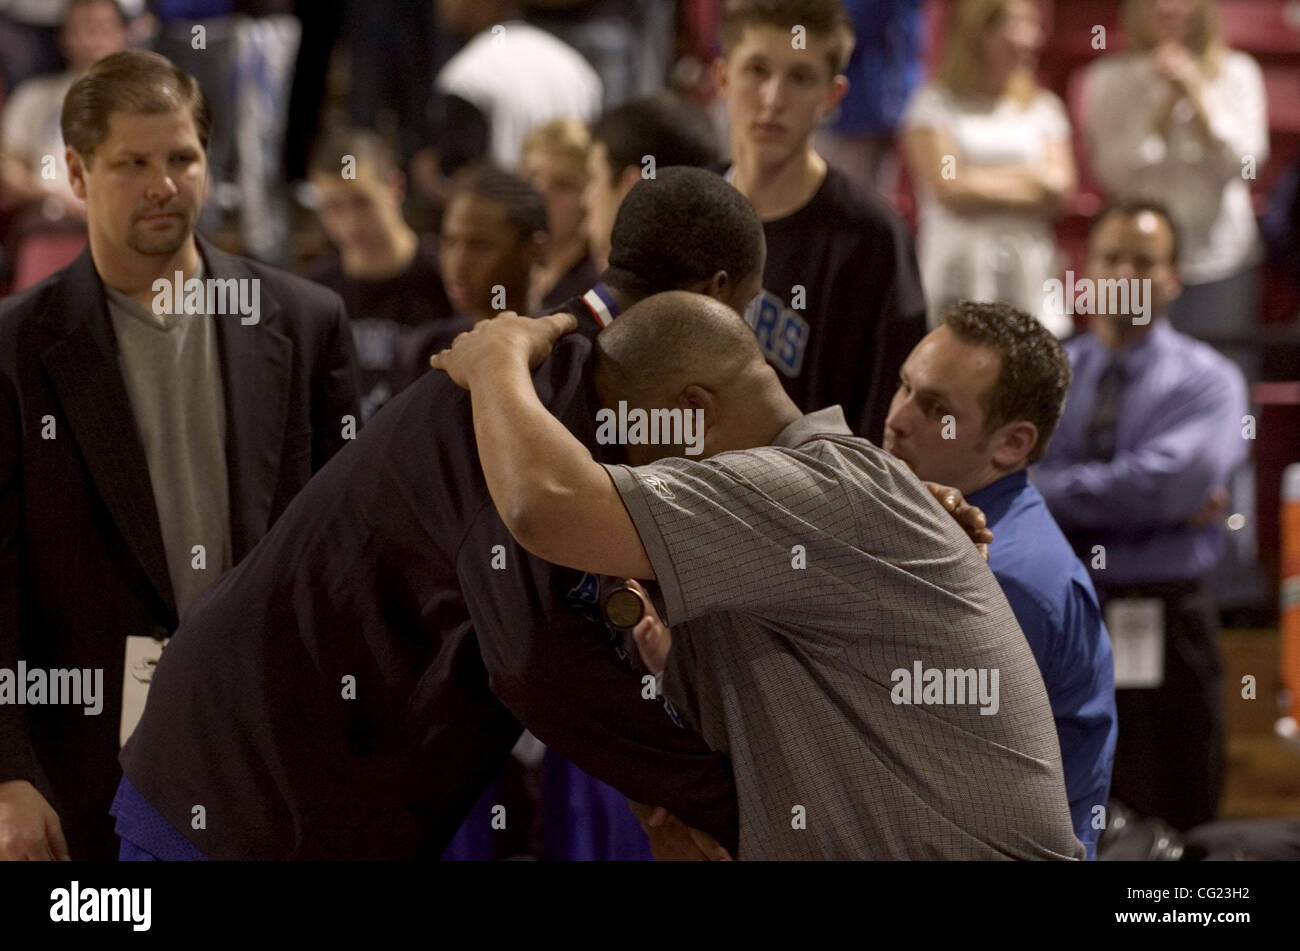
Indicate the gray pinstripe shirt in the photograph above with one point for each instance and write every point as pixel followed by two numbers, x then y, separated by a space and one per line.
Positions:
pixel 802 581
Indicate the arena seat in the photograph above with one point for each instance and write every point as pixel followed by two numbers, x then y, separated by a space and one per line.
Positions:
pixel 40 255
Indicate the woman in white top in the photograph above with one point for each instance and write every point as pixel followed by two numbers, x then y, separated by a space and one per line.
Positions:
pixel 990 152
pixel 1182 119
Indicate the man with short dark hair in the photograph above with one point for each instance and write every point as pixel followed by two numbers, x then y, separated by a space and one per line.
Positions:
pixel 1136 477
pixel 663 128
pixel 842 304
pixel 161 404
pixel 977 402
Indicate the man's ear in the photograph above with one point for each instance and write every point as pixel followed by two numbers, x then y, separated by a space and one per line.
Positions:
pixel 626 179
pixel 718 286
pixel 1013 443
pixel 535 247
pixel 839 89
pixel 719 71
pixel 1173 284
pixel 76 172
pixel 694 397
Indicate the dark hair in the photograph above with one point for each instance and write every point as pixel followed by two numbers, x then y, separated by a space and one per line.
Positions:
pixel 362 144
pixel 117 8
pixel 136 82
pixel 824 18
pixel 680 227
pixel 525 207
pixel 672 129
pixel 1131 208
pixel 1034 377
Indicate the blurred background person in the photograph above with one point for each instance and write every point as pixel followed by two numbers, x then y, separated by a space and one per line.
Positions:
pixel 555 163
pixel 1136 478
pixel 883 72
pixel 387 276
pixel 1182 119
pixel 492 239
pixel 508 78
pixel 29 38
pixel 29 130
pixel 37 199
pixel 671 129
pixel 990 152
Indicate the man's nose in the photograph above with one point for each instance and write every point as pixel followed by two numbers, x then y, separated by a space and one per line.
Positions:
pixel 162 186
pixel 895 422
pixel 769 93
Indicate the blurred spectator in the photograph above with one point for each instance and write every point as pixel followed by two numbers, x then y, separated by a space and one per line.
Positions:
pixel 841 305
pixel 32 163
pixel 388 278
pixel 509 78
pixel 1280 225
pixel 555 163
pixel 1182 119
pixel 629 42
pixel 883 72
pixel 29 38
pixel 1136 477
pixel 990 152
pixel 664 127
pixel 1002 378
pixel 492 238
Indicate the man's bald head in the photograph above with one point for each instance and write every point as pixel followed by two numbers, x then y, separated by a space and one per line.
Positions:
pixel 685 350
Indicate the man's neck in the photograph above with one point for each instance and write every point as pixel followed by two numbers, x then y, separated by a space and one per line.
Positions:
pixel 779 189
pixel 388 260
pixel 781 411
pixel 134 274
pixel 1119 338
pixel 987 477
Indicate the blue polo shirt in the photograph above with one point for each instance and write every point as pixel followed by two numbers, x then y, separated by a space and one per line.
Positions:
pixel 1054 601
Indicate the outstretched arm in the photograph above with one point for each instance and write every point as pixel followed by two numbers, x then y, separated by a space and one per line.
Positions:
pixel 554 498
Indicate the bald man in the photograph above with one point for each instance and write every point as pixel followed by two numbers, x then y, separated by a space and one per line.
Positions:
pixel 819 596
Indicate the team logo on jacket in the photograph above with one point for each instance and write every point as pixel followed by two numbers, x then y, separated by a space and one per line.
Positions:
pixel 782 333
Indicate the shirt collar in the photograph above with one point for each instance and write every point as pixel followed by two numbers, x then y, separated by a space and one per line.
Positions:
pixel 1132 358
pixel 1007 485
pixel 829 420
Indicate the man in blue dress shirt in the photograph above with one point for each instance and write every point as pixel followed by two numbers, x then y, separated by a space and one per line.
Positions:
pixel 976 404
pixel 1136 477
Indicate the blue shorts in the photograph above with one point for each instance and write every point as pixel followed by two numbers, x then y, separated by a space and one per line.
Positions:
pixel 147 836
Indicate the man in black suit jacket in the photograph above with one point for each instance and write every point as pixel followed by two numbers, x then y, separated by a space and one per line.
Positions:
pixel 129 428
